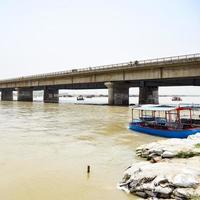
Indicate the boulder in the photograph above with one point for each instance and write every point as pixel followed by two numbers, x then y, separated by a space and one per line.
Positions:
pixel 184 193
pixel 178 178
pixel 172 173
pixel 168 154
pixel 171 148
pixel 185 180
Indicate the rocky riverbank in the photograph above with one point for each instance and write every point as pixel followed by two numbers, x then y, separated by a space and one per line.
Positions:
pixel 171 148
pixel 172 170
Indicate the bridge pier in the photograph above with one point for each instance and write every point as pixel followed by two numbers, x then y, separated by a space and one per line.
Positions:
pixel 148 95
pixel 51 95
pixel 118 93
pixel 6 95
pixel 25 94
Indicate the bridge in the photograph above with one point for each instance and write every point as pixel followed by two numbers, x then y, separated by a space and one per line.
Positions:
pixel 148 75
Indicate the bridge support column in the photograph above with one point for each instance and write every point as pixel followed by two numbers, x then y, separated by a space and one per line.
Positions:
pixel 25 94
pixel 7 95
pixel 118 93
pixel 51 95
pixel 148 95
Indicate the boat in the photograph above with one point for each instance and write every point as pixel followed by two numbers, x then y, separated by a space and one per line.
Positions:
pixel 176 98
pixel 90 96
pixel 165 121
pixel 80 98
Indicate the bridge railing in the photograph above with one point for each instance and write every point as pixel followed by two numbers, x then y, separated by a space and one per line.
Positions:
pixel 135 63
pixel 188 57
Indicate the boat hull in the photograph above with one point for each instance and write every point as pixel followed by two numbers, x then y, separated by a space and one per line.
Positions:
pixel 164 133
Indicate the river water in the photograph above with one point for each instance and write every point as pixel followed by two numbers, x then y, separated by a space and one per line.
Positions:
pixel 45 150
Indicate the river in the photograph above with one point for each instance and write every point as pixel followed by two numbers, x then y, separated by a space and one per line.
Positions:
pixel 45 150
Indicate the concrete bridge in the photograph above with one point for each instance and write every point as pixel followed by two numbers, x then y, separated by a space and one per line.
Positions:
pixel 148 75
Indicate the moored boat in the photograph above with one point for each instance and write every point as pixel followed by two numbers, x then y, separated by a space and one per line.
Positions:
pixel 165 121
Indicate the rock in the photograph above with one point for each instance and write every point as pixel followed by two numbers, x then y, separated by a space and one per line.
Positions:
pixel 196 193
pixel 156 151
pixel 145 155
pixel 185 180
pixel 152 155
pixel 185 193
pixel 156 159
pixel 133 184
pixel 163 179
pixel 163 190
pixel 123 188
pixel 172 173
pixel 162 196
pixel 168 154
pixel 148 186
pixel 141 194
pixel 171 148
pixel 126 177
pixel 150 193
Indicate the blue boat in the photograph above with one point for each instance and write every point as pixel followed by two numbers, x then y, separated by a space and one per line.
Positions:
pixel 165 121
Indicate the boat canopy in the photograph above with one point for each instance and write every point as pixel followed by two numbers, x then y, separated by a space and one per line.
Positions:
pixel 156 108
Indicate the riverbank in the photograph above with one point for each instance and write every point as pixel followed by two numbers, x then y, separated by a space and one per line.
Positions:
pixel 171 170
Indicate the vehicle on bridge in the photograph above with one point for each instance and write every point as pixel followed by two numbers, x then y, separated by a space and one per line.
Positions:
pixel 166 121
pixel 80 98
pixel 176 98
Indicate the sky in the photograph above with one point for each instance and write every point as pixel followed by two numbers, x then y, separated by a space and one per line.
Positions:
pixel 40 36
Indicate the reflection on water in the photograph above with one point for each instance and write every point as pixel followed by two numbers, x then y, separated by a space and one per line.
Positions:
pixel 45 150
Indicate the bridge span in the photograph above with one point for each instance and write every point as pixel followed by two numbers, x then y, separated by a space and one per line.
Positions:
pixel 148 75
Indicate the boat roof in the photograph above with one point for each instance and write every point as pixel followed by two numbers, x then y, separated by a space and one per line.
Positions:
pixel 156 108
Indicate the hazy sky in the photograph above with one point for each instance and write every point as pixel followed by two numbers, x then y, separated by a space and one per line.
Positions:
pixel 50 35
pixel 42 36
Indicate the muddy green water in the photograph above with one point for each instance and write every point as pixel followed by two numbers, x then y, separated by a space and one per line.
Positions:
pixel 45 150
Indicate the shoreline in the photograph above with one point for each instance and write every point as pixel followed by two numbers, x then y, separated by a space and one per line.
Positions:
pixel 170 170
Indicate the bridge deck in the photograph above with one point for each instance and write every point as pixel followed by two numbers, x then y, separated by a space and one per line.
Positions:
pixel 190 58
